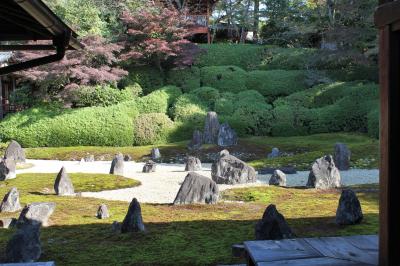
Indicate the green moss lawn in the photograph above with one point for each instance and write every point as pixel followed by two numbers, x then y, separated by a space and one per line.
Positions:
pixel 177 235
pixel 303 150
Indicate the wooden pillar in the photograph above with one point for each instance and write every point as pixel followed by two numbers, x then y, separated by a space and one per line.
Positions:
pixel 208 23
pixel 389 233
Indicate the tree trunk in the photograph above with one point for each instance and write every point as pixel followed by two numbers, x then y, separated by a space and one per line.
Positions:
pixel 245 20
pixel 256 20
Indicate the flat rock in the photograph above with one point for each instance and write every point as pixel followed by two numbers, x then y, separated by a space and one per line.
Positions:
pixel 102 212
pixel 7 169
pixel 133 221
pixel 228 169
pixel 149 167
pixel 349 208
pixel 197 189
pixel 155 154
pixel 15 151
pixel 278 178
pixel 63 185
pixel 197 140
pixel 342 157
pixel 193 164
pixel 24 245
pixel 226 136
pixel 37 213
pixel 273 226
pixel 117 165
pixel 10 201
pixel 211 128
pixel 324 174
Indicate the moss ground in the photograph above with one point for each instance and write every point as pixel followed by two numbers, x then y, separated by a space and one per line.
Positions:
pixel 301 150
pixel 176 235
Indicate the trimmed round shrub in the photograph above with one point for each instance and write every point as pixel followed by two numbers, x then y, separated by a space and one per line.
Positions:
pixel 149 78
pixel 373 123
pixel 159 101
pixel 135 89
pixel 291 120
pixel 86 96
pixel 287 58
pixel 356 72
pixel 191 110
pixel 225 105
pixel 187 79
pixel 224 78
pixel 207 95
pixel 93 126
pixel 276 83
pixel 152 128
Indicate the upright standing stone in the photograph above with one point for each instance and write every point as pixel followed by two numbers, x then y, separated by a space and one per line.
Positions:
pixel 278 178
pixel 10 202
pixel 127 158
pixel 324 174
pixel 155 154
pixel 24 245
pixel 211 128
pixel 274 153
pixel 197 140
pixel 197 189
pixel 226 136
pixel 117 165
pixel 7 169
pixel 63 184
pixel 37 213
pixel 349 209
pixel 228 169
pixel 193 164
pixel 133 221
pixel 342 157
pixel 273 226
pixel 102 212
pixel 149 167
pixel 16 152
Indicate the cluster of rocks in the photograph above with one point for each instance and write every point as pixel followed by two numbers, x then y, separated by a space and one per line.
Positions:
pixel 228 169
pixel 149 167
pixel 214 133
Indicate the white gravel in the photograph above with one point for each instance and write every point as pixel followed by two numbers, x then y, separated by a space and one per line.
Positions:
pixel 163 185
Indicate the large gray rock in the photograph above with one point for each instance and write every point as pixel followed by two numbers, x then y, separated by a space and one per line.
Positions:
pixel 211 128
pixel 197 189
pixel 133 221
pixel 274 153
pixel 10 201
pixel 342 157
pixel 24 245
pixel 273 226
pixel 197 140
pixel 102 212
pixel 7 223
pixel 63 185
pixel 228 169
pixel 117 165
pixel 149 167
pixel 349 209
pixel 226 136
pixel 127 158
pixel 7 169
pixel 15 151
pixel 193 164
pixel 324 174
pixel 37 213
pixel 155 154
pixel 278 178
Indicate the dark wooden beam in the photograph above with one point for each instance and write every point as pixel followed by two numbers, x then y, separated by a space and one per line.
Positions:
pixel 389 232
pixel 27 47
pixel 387 13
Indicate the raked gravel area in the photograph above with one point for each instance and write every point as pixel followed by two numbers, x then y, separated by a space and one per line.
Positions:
pixel 163 185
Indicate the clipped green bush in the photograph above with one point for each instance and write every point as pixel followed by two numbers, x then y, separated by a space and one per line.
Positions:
pixel 102 95
pixel 225 103
pixel 149 78
pixel 135 89
pixel 276 83
pixel 355 72
pixel 207 95
pixel 290 120
pixel 54 127
pixel 373 123
pixel 288 58
pixel 224 78
pixel 245 56
pixel 159 101
pixel 187 79
pixel 152 128
pixel 191 110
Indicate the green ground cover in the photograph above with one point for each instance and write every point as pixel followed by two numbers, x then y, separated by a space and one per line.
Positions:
pixel 178 235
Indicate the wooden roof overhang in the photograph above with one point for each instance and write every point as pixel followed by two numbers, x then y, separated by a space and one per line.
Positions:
pixel 31 20
pixel 387 18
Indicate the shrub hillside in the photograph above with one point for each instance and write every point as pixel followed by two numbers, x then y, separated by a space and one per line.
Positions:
pixel 258 90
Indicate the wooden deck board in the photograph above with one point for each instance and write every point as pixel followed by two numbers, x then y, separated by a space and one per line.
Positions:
pixel 352 250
